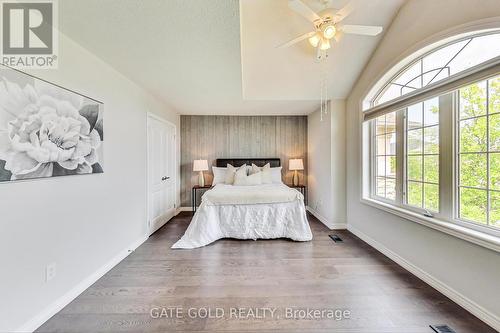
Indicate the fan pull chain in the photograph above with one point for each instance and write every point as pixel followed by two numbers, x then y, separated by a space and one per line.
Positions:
pixel 324 106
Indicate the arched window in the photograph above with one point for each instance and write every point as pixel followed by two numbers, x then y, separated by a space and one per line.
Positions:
pixel 433 134
pixel 439 64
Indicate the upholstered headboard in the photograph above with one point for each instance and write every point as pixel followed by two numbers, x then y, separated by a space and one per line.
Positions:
pixel 223 162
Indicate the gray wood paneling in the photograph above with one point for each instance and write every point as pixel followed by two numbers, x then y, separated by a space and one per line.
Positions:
pixel 212 137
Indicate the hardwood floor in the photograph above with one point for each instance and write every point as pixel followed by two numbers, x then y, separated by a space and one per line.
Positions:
pixel 272 274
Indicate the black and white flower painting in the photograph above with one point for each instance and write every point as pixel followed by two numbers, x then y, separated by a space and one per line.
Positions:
pixel 45 130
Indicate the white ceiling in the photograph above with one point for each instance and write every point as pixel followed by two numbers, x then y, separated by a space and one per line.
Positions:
pixel 189 53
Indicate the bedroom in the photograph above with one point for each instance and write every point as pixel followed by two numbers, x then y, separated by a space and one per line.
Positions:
pixel 352 136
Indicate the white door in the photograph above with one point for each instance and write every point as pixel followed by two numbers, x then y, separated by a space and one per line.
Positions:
pixel 161 172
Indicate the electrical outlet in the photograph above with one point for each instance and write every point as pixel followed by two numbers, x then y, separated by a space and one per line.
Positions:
pixel 50 272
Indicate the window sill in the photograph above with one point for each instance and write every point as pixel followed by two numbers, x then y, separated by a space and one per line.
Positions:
pixel 480 238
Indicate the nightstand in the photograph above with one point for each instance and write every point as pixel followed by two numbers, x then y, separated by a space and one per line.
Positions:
pixel 194 192
pixel 302 189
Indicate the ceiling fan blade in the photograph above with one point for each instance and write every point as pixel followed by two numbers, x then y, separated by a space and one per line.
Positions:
pixel 302 9
pixel 368 30
pixel 344 11
pixel 296 39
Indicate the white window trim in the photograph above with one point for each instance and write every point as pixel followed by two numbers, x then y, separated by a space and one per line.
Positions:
pixel 446 220
pixel 474 233
pixel 456 229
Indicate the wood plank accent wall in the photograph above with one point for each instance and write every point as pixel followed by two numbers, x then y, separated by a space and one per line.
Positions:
pixel 212 137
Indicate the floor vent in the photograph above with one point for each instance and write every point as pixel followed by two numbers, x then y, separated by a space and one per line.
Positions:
pixel 335 238
pixel 442 329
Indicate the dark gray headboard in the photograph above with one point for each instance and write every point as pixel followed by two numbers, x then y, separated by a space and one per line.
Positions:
pixel 223 162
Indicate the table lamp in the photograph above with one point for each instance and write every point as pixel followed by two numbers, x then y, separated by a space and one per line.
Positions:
pixel 200 166
pixel 294 165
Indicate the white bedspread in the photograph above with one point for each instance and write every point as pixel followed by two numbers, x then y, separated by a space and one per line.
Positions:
pixel 247 221
pixel 223 194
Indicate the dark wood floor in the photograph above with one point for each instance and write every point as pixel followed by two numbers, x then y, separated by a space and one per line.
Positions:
pixel 380 295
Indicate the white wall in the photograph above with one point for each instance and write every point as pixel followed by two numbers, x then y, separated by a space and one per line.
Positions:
pixel 326 165
pixel 78 222
pixel 467 270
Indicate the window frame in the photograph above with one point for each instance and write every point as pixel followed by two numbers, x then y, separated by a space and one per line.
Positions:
pixel 375 97
pixel 448 218
pixel 472 232
pixel 456 152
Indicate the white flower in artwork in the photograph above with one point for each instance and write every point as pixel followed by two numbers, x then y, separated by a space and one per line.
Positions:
pixel 46 131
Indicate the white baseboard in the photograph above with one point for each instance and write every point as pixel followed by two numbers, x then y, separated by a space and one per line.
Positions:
pixel 469 305
pixel 64 300
pixel 331 225
pixel 185 209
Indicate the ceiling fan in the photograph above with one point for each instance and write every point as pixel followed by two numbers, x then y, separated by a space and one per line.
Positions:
pixel 327 25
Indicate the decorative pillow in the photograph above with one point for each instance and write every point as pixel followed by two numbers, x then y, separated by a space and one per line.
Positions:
pixel 276 175
pixel 219 175
pixel 241 179
pixel 231 172
pixel 266 172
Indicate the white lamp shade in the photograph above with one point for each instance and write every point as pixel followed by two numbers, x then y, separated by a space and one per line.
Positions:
pixel 200 165
pixel 296 164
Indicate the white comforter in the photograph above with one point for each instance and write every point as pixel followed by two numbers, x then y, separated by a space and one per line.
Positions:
pixel 266 211
pixel 223 194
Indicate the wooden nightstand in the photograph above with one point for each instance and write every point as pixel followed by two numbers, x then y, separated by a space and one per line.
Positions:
pixel 194 192
pixel 302 189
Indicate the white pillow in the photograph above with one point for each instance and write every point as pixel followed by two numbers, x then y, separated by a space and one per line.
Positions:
pixel 266 173
pixel 241 179
pixel 231 171
pixel 219 175
pixel 276 175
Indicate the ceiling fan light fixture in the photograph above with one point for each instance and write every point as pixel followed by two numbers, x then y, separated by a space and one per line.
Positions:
pixel 314 40
pixel 329 31
pixel 325 44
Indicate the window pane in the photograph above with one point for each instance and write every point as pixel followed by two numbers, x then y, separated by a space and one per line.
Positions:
pixel 409 74
pixel 473 204
pixel 431 168
pixel 495 172
pixel 495 209
pixel 442 56
pixel 415 194
pixel 473 100
pixel 380 125
pixel 415 115
pixel 415 168
pixel 431 140
pixel 390 120
pixel 390 141
pixel 380 186
pixel 473 135
pixel 473 170
pixel 494 124
pixel 431 197
pixel 440 64
pixel 390 188
pixel 415 141
pixel 494 97
pixel 381 166
pixel 479 50
pixel 390 165
pixel 431 112
pixel 380 145
pixel 392 91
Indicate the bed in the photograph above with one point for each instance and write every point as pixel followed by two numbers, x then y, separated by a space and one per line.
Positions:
pixel 266 211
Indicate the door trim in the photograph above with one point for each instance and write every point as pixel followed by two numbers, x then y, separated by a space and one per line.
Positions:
pixel 150 115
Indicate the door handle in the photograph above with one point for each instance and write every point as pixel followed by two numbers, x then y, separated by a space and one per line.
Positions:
pixel 164 178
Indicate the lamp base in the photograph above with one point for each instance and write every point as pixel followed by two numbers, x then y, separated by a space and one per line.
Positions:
pixel 201 179
pixel 295 178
